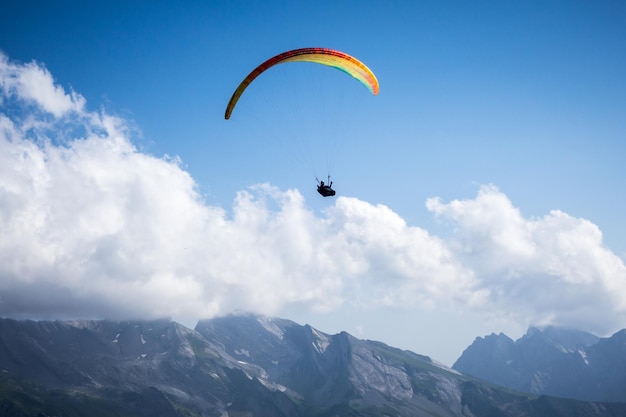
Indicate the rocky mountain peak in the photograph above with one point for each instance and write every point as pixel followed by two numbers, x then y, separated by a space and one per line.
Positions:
pixel 551 360
pixel 560 338
pixel 236 365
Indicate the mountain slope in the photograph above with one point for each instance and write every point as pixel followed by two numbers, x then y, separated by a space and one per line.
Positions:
pixel 553 361
pixel 158 366
pixel 238 366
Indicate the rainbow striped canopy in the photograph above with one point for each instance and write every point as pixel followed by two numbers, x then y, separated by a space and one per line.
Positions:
pixel 325 56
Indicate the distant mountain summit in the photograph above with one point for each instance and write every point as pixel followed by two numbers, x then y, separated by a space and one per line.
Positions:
pixel 553 361
pixel 325 370
pixel 239 365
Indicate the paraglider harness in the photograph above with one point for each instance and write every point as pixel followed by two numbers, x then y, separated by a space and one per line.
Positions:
pixel 324 189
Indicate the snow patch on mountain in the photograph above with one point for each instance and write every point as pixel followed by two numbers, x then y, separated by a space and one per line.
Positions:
pixel 271 327
pixel 445 368
pixel 321 341
pixel 242 352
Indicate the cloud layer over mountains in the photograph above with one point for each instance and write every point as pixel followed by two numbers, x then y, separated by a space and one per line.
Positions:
pixel 92 227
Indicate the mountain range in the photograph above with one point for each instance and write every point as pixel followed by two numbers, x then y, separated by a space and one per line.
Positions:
pixel 552 361
pixel 240 365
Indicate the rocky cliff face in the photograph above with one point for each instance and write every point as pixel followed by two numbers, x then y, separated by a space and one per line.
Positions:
pixel 328 371
pixel 237 366
pixel 155 368
pixel 552 361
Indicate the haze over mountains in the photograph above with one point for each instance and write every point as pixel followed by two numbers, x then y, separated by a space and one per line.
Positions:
pixel 241 365
pixel 554 361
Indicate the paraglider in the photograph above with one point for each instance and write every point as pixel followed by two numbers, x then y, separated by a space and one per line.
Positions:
pixel 326 190
pixel 324 56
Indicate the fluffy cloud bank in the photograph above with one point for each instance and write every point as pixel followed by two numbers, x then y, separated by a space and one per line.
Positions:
pixel 549 270
pixel 91 227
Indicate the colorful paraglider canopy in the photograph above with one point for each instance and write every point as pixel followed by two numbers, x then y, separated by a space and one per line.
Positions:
pixel 325 56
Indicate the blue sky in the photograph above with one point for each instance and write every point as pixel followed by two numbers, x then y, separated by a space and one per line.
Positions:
pixel 480 191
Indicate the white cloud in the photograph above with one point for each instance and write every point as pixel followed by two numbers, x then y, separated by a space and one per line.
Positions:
pixel 91 227
pixel 554 269
pixel 33 83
